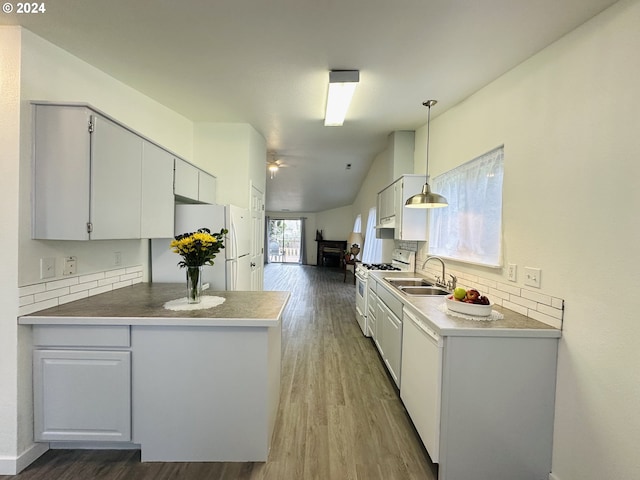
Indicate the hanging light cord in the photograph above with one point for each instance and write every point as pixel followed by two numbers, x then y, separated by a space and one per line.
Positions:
pixel 428 104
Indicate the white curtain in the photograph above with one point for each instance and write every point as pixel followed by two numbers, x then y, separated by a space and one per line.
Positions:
pixel 372 249
pixel 470 228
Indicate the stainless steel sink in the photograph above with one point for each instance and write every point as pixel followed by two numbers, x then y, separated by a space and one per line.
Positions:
pixel 409 282
pixel 416 286
pixel 424 290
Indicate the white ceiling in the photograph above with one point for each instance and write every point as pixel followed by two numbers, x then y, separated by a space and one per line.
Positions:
pixel 266 62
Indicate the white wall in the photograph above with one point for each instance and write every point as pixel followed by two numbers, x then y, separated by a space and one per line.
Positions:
pixel 9 174
pixel 336 224
pixel 569 120
pixel 236 154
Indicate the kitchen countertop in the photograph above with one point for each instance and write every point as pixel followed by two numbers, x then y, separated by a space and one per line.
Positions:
pixel 143 304
pixel 427 308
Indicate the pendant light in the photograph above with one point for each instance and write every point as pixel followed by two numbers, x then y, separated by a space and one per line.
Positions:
pixel 426 198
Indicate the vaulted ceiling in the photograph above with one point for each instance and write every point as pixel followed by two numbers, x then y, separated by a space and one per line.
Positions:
pixel 266 62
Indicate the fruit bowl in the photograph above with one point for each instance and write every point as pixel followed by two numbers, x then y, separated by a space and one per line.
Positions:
pixel 468 308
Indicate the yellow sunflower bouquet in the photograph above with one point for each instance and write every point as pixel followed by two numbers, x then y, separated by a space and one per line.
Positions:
pixel 198 248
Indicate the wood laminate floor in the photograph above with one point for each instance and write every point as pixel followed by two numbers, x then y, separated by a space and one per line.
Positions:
pixel 340 417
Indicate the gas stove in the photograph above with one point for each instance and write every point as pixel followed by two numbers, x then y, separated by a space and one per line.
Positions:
pixel 379 266
pixel 401 260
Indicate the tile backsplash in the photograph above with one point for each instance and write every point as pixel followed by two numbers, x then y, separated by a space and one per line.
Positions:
pixel 39 296
pixel 531 303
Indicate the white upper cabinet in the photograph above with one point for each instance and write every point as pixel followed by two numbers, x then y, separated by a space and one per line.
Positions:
pixel 206 187
pixel 192 184
pixel 387 207
pixel 61 172
pixel 157 206
pixel 116 162
pixel 86 174
pixel 407 223
pixel 95 179
pixel 186 180
pixel 411 223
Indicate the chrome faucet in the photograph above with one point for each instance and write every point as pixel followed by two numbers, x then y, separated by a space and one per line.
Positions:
pixel 440 281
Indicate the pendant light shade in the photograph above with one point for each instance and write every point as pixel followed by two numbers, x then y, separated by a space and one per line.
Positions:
pixel 426 198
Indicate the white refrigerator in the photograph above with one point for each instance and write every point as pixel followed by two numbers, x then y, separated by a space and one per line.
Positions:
pixel 232 266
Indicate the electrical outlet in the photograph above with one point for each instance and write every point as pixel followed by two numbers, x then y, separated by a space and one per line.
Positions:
pixel 70 264
pixel 532 276
pixel 47 267
pixel 117 258
pixel 512 272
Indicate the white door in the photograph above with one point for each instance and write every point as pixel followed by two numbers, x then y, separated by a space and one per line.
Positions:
pixel 257 239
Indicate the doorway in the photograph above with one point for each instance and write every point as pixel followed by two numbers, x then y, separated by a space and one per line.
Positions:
pixel 284 240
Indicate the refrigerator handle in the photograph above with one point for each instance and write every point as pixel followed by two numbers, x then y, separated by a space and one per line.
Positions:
pixel 234 276
pixel 234 240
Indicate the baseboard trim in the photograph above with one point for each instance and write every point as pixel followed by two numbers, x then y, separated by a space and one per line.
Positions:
pixel 94 446
pixel 552 476
pixel 14 465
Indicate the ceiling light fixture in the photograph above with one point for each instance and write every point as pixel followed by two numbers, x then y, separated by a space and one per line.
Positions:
pixel 426 198
pixel 342 85
pixel 273 169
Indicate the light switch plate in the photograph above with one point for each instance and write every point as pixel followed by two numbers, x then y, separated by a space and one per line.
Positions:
pixel 47 267
pixel 532 276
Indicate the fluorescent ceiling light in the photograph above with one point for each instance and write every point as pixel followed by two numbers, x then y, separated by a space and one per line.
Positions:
pixel 342 84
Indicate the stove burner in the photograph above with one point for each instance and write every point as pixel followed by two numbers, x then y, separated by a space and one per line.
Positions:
pixel 379 266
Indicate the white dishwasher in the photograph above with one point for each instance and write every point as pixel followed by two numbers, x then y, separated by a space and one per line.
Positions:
pixel 420 388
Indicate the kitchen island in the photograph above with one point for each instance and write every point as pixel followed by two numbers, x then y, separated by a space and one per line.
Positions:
pixel 195 385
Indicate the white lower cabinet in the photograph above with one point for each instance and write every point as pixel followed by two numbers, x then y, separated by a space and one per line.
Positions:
pixel 372 308
pixel 82 395
pixel 388 331
pixel 483 405
pixel 421 380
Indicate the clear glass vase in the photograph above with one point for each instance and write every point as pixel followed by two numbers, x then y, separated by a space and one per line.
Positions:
pixel 194 284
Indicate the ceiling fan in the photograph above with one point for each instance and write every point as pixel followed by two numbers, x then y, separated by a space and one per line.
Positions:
pixel 274 165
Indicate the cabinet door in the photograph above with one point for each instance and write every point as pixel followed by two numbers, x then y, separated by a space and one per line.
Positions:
pixel 61 172
pixel 206 187
pixel 399 209
pixel 186 180
pixel 411 223
pixel 391 342
pixel 116 159
pixel 82 395
pixel 157 207
pixel 420 389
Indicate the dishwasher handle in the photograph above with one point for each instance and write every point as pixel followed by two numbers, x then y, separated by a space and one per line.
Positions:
pixel 431 333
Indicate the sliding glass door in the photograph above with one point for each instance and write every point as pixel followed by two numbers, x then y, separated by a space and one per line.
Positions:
pixel 284 240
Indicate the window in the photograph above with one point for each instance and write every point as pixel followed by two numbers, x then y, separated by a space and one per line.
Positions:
pixel 470 228
pixel 372 250
pixel 357 224
pixel 284 240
